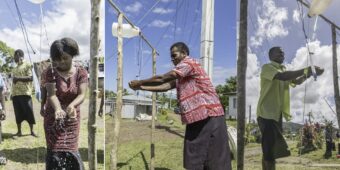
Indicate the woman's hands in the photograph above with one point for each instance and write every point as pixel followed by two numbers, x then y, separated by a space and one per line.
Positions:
pixel 59 114
pixel 71 111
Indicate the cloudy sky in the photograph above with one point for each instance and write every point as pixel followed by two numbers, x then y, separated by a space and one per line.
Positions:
pixel 63 18
pixel 158 24
pixel 278 23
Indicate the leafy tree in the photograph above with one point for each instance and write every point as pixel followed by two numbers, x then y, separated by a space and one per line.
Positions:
pixel 6 57
pixel 109 94
pixel 222 90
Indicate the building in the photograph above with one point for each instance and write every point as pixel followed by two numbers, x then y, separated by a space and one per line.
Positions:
pixel 132 106
pixel 231 111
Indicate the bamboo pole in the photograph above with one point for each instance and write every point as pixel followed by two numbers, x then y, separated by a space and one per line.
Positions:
pixel 152 162
pixel 94 53
pixel 241 83
pixel 119 100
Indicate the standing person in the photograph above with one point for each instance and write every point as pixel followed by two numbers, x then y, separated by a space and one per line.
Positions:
pixel 274 103
pixel 3 159
pixel 206 140
pixel 22 91
pixel 2 100
pixel 66 85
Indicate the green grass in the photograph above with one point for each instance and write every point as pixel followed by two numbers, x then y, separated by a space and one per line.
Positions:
pixel 135 154
pixel 28 152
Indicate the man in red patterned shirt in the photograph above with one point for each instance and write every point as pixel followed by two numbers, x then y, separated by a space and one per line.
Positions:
pixel 206 140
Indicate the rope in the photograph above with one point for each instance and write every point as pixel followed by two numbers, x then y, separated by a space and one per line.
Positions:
pixel 309 59
pixel 141 19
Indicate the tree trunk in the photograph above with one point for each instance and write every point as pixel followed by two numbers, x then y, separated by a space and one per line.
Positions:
pixel 94 54
pixel 241 83
pixel 335 75
pixel 119 100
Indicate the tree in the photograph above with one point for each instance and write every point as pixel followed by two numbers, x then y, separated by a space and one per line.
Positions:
pixel 6 57
pixel 109 94
pixel 222 90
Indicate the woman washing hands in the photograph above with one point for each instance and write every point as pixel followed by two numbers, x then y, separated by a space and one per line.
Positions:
pixel 66 86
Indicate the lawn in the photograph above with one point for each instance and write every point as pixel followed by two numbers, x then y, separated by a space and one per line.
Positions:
pixel 134 148
pixel 28 152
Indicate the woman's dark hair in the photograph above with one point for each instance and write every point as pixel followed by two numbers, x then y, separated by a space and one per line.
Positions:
pixel 181 46
pixel 64 45
pixel 19 53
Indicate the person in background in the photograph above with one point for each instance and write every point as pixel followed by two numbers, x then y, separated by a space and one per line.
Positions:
pixel 22 91
pixel 274 104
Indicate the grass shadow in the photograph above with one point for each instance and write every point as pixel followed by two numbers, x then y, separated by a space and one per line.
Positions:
pixel 26 155
pixel 122 164
pixel 84 155
pixel 168 129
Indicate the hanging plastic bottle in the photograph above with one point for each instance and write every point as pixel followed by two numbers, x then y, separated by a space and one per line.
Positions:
pixel 318 7
pixel 128 30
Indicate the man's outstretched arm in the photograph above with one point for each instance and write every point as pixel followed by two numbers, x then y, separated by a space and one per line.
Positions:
pixel 296 75
pixel 154 81
pixel 160 88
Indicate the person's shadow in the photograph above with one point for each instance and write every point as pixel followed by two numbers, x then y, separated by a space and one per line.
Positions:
pixel 25 155
pixel 37 155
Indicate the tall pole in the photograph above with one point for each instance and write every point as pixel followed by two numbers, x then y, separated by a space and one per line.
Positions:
pixel 119 100
pixel 207 36
pixel 241 83
pixel 94 54
pixel 335 75
pixel 249 117
pixel 152 163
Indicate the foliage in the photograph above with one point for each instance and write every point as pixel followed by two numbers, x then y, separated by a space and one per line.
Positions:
pixel 222 90
pixel 252 133
pixel 6 57
pixel 109 94
pixel 311 137
pixel 165 100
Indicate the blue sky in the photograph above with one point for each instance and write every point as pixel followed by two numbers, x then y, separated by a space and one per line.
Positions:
pixel 278 23
pixel 155 28
pixel 63 18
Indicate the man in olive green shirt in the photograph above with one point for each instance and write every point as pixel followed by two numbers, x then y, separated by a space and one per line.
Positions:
pixel 274 103
pixel 22 91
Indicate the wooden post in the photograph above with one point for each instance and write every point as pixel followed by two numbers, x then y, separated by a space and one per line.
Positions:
pixel 249 114
pixel 241 83
pixel 152 162
pixel 335 75
pixel 94 54
pixel 119 99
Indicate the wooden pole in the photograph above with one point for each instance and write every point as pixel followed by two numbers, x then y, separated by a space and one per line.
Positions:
pixel 94 54
pixel 152 162
pixel 119 99
pixel 335 75
pixel 249 114
pixel 241 83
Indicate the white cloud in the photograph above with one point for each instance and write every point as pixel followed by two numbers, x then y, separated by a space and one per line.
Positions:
pixel 166 0
pixel 160 23
pixel 296 16
pixel 163 11
pixel 270 23
pixel 66 19
pixel 134 8
pixel 220 74
pixel 316 93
